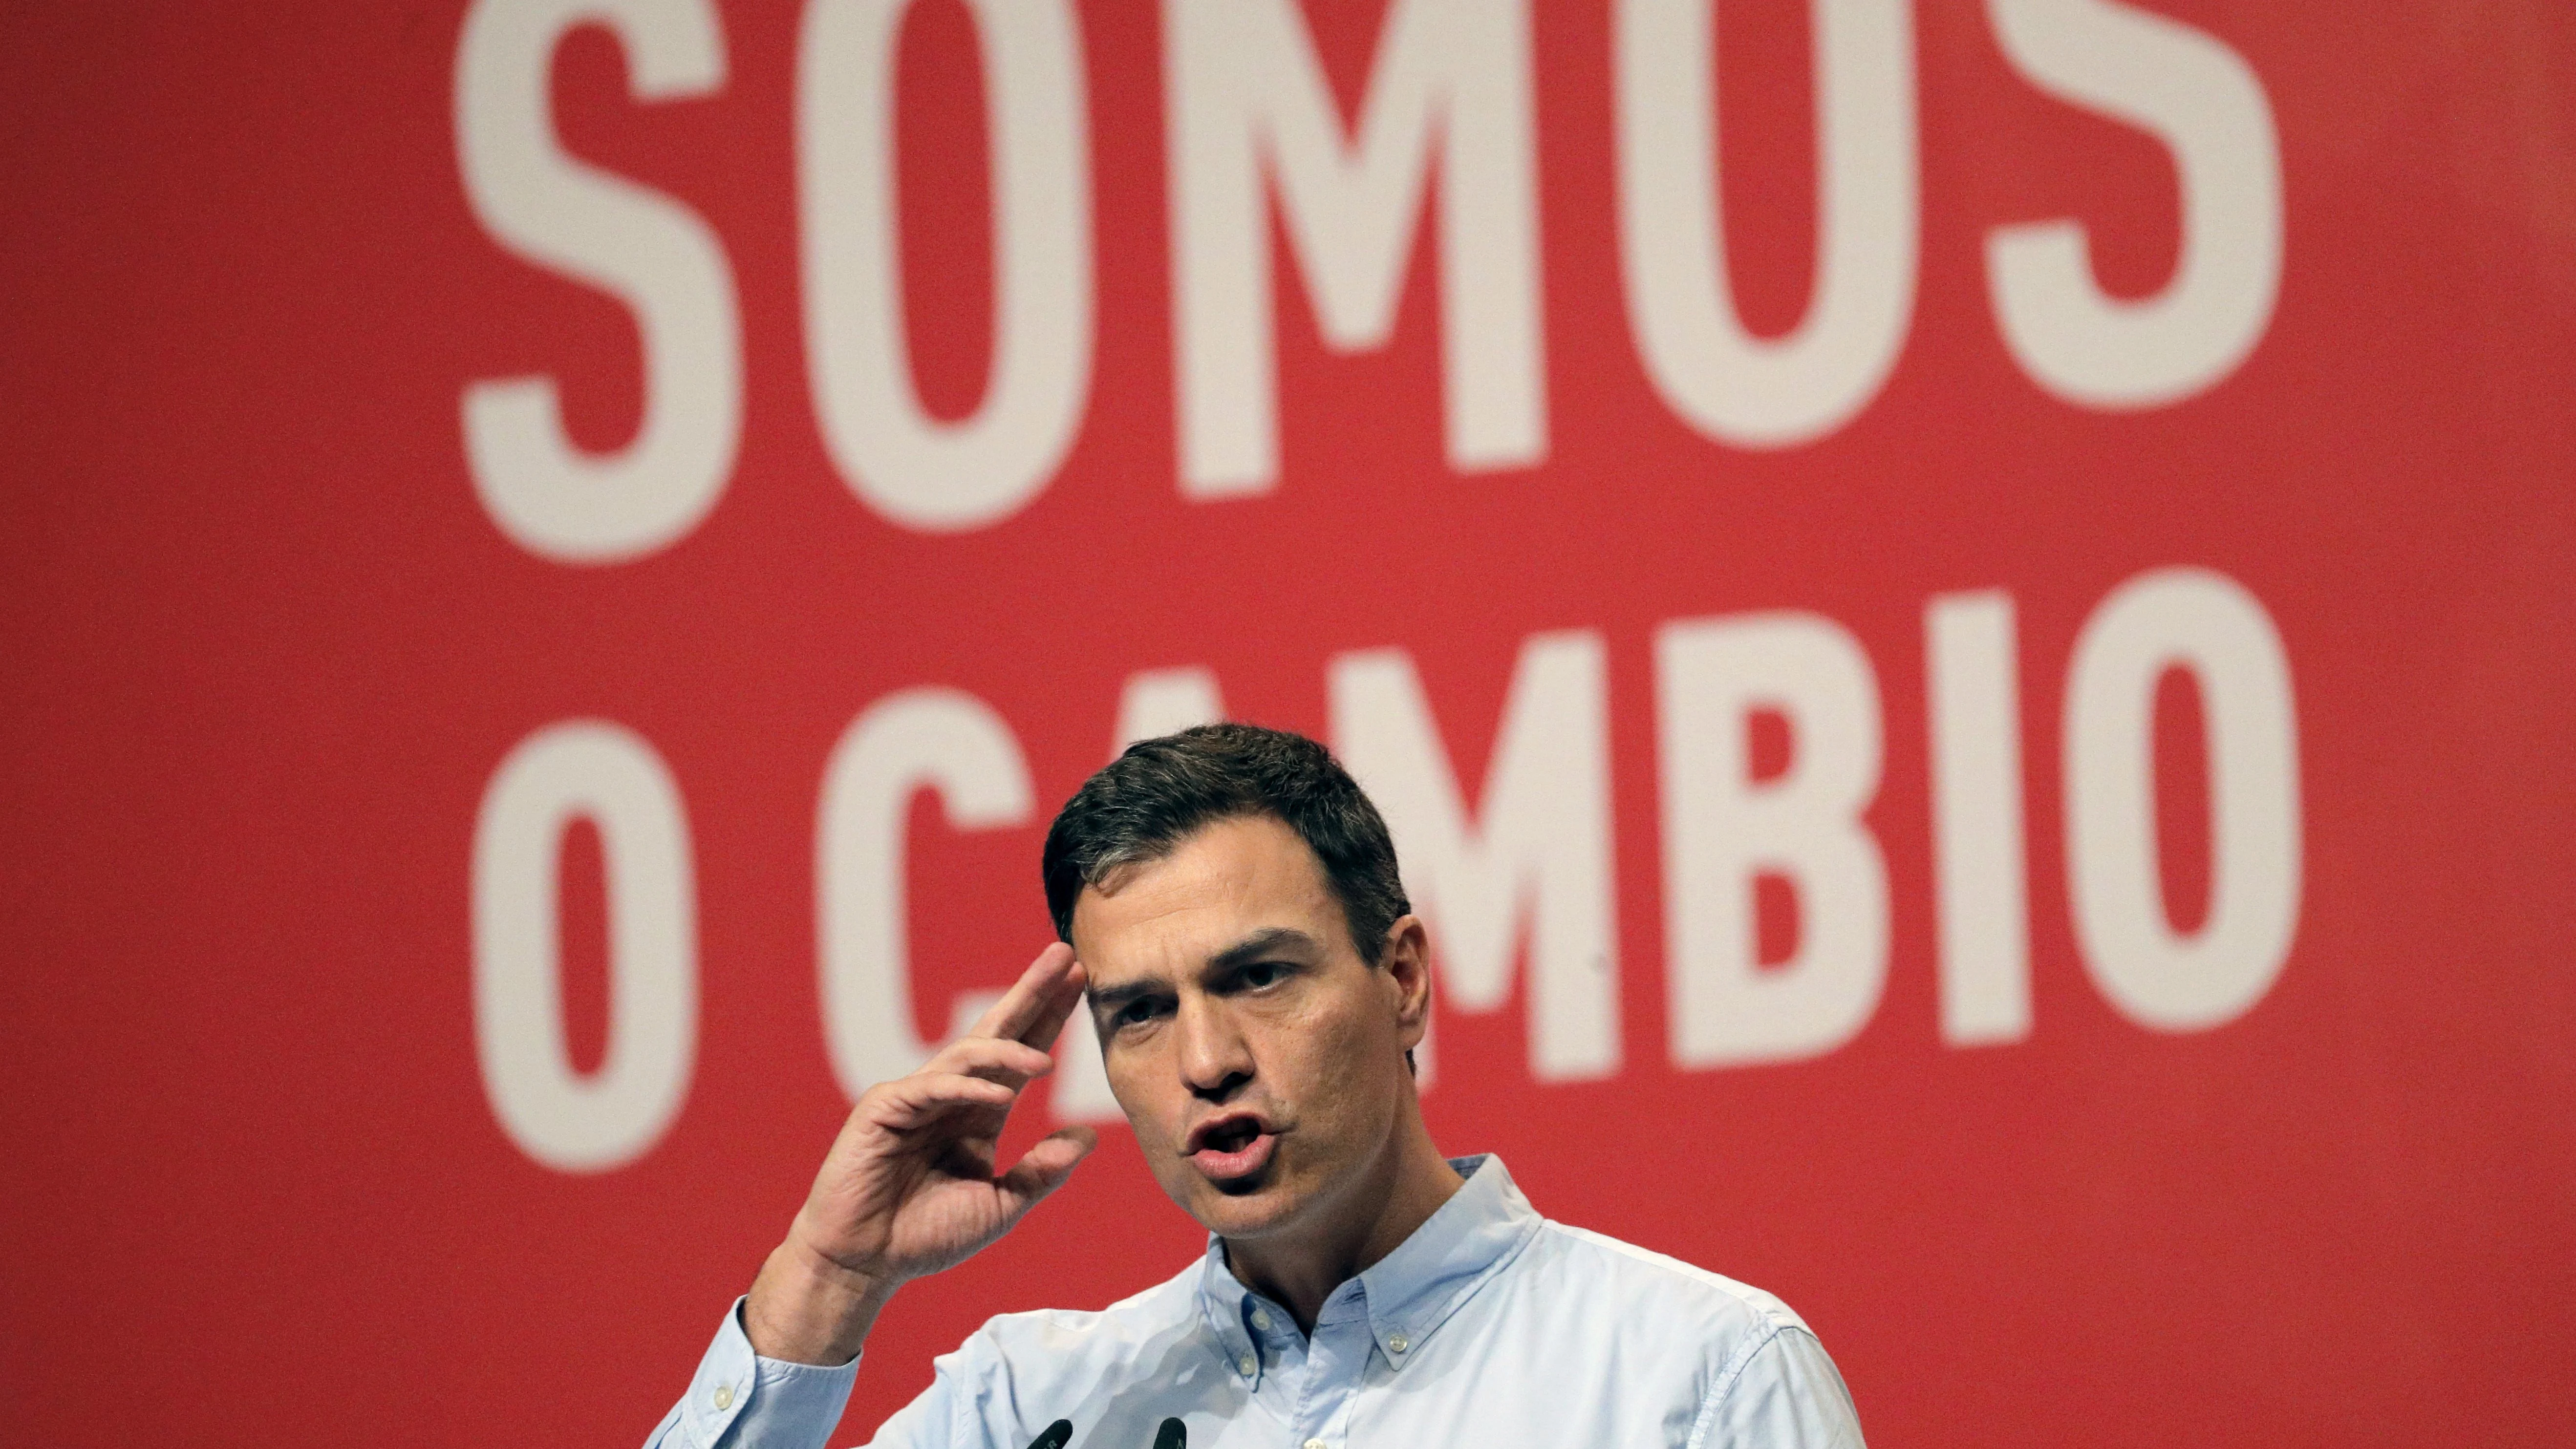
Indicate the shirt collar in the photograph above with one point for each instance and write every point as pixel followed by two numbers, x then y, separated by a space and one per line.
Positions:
pixel 1408 1294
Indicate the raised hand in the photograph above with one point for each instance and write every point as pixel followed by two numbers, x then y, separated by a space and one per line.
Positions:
pixel 909 1187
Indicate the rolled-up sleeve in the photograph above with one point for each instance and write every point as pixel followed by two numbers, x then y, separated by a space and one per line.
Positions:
pixel 1786 1394
pixel 739 1400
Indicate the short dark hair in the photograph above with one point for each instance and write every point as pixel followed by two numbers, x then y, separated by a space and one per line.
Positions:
pixel 1141 805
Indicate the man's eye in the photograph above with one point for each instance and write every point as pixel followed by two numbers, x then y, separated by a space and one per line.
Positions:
pixel 1132 1012
pixel 1265 974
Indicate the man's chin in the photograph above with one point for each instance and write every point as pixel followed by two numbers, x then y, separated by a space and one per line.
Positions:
pixel 1243 1208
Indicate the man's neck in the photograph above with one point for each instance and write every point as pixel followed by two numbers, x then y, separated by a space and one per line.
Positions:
pixel 1299 1271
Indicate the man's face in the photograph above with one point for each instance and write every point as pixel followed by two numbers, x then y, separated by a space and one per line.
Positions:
pixel 1259 1058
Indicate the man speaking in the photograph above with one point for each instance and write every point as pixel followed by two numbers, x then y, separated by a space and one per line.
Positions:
pixel 1229 899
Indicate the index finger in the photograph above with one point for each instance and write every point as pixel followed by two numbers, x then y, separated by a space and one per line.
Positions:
pixel 1035 1007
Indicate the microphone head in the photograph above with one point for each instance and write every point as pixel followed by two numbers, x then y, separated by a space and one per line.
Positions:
pixel 1057 1435
pixel 1173 1435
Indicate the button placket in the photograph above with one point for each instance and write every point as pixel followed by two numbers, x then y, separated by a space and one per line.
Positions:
pixel 1337 1357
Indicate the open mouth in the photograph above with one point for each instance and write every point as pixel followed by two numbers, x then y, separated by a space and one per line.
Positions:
pixel 1231 1149
pixel 1232 1136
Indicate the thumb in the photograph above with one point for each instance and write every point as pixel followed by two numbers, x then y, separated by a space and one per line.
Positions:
pixel 1045 1166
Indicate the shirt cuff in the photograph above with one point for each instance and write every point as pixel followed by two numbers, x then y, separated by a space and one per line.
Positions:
pixel 764 1403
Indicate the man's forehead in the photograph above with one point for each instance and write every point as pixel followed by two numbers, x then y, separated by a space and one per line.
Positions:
pixel 1223 881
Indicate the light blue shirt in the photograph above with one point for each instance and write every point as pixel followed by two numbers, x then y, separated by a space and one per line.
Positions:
pixel 1489 1326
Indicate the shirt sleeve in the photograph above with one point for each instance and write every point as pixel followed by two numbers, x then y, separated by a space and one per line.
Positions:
pixel 739 1400
pixel 1786 1395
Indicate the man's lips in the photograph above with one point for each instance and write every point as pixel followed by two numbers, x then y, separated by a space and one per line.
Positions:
pixel 1226 1131
pixel 1235 1145
pixel 1221 1166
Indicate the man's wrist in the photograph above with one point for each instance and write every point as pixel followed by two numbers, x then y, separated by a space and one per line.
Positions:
pixel 805 1308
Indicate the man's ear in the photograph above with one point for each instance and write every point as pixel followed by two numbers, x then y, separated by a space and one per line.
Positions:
pixel 1405 956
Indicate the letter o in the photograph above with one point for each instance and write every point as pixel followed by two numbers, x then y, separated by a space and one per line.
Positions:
pixel 2206 623
pixel 607 774
pixel 911 468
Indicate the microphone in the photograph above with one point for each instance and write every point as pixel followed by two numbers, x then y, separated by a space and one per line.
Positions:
pixel 1172 1435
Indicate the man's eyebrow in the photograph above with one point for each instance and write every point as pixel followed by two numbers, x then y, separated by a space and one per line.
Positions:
pixel 1268 941
pixel 1110 998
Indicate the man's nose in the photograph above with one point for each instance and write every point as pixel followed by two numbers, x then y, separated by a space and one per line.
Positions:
pixel 1215 1060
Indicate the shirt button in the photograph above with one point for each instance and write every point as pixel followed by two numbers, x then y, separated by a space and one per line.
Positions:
pixel 1246 1364
pixel 724 1396
pixel 1260 1319
pixel 1314 1444
pixel 1399 1342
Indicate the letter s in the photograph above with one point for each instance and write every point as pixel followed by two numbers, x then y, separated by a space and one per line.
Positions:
pixel 653 254
pixel 2204 103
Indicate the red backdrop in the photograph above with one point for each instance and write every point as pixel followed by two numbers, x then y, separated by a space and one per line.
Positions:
pixel 267 648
